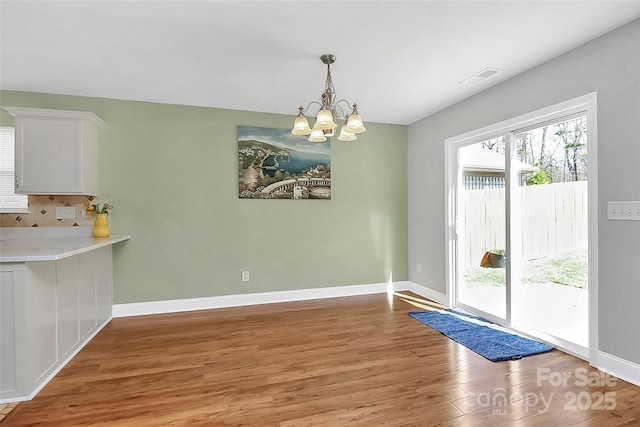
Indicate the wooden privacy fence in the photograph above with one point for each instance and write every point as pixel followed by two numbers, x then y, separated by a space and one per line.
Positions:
pixel 553 220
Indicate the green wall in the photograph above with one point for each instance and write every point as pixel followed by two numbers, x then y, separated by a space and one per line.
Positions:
pixel 171 172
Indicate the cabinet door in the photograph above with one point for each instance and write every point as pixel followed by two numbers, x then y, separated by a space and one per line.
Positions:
pixel 87 292
pixel 42 349
pixel 49 156
pixel 104 283
pixel 67 303
pixel 13 367
pixel 56 151
pixel 8 311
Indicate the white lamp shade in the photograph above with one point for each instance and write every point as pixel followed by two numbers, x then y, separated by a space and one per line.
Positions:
pixel 346 135
pixel 354 124
pixel 301 126
pixel 317 135
pixel 324 120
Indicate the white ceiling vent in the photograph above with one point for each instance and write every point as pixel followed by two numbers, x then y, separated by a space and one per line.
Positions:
pixel 481 76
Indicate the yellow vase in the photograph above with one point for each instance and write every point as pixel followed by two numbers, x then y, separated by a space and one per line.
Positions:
pixel 101 226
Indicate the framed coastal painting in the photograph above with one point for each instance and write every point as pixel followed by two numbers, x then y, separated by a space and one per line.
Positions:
pixel 274 164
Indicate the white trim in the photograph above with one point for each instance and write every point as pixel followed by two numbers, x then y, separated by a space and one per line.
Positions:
pixel 592 151
pixel 451 161
pixel 53 373
pixel 583 103
pixel 425 292
pixel 240 300
pixel 621 368
pixel 58 114
pixel 568 347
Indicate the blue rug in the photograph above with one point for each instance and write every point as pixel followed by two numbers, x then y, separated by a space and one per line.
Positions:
pixel 485 338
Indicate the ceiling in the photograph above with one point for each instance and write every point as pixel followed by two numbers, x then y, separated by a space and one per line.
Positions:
pixel 399 60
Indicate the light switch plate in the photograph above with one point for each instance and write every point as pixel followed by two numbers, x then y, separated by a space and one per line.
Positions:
pixel 65 212
pixel 623 211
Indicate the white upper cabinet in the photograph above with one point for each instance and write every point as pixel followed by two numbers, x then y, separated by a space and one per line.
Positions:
pixel 56 151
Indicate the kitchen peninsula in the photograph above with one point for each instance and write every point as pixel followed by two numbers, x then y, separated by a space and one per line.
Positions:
pixel 55 295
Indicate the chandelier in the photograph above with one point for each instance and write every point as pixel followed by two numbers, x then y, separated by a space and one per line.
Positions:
pixel 330 113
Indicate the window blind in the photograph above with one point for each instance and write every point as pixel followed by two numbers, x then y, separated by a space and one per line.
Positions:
pixel 9 201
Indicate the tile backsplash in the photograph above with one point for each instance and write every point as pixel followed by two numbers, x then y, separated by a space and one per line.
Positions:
pixel 43 213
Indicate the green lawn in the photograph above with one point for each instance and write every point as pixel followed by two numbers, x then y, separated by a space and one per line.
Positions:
pixel 570 269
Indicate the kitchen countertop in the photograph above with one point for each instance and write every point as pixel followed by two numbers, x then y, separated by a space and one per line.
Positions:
pixel 47 246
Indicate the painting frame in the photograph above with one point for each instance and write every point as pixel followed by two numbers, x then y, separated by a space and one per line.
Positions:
pixel 275 164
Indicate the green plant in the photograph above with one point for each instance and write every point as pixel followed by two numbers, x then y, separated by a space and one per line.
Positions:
pixel 538 178
pixel 98 208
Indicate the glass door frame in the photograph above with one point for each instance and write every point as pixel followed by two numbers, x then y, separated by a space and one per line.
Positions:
pixel 458 268
pixel 586 104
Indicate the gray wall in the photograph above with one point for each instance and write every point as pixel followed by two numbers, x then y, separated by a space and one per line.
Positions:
pixel 609 65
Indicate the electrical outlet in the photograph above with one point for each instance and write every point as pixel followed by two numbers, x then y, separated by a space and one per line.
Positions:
pixel 623 211
pixel 245 276
pixel 65 212
pixel 418 267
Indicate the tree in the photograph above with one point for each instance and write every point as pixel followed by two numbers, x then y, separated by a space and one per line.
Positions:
pixel 559 150
pixel 573 134
pixel 538 178
pixel 543 142
pixel 496 144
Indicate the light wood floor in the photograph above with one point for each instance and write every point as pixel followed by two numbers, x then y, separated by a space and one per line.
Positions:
pixel 356 361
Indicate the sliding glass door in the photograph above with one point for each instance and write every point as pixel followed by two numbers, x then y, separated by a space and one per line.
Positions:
pixel 481 224
pixel 551 272
pixel 519 207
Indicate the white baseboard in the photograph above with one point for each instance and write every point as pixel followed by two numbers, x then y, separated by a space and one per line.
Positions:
pixel 621 368
pixel 240 300
pixel 206 303
pixel 428 293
